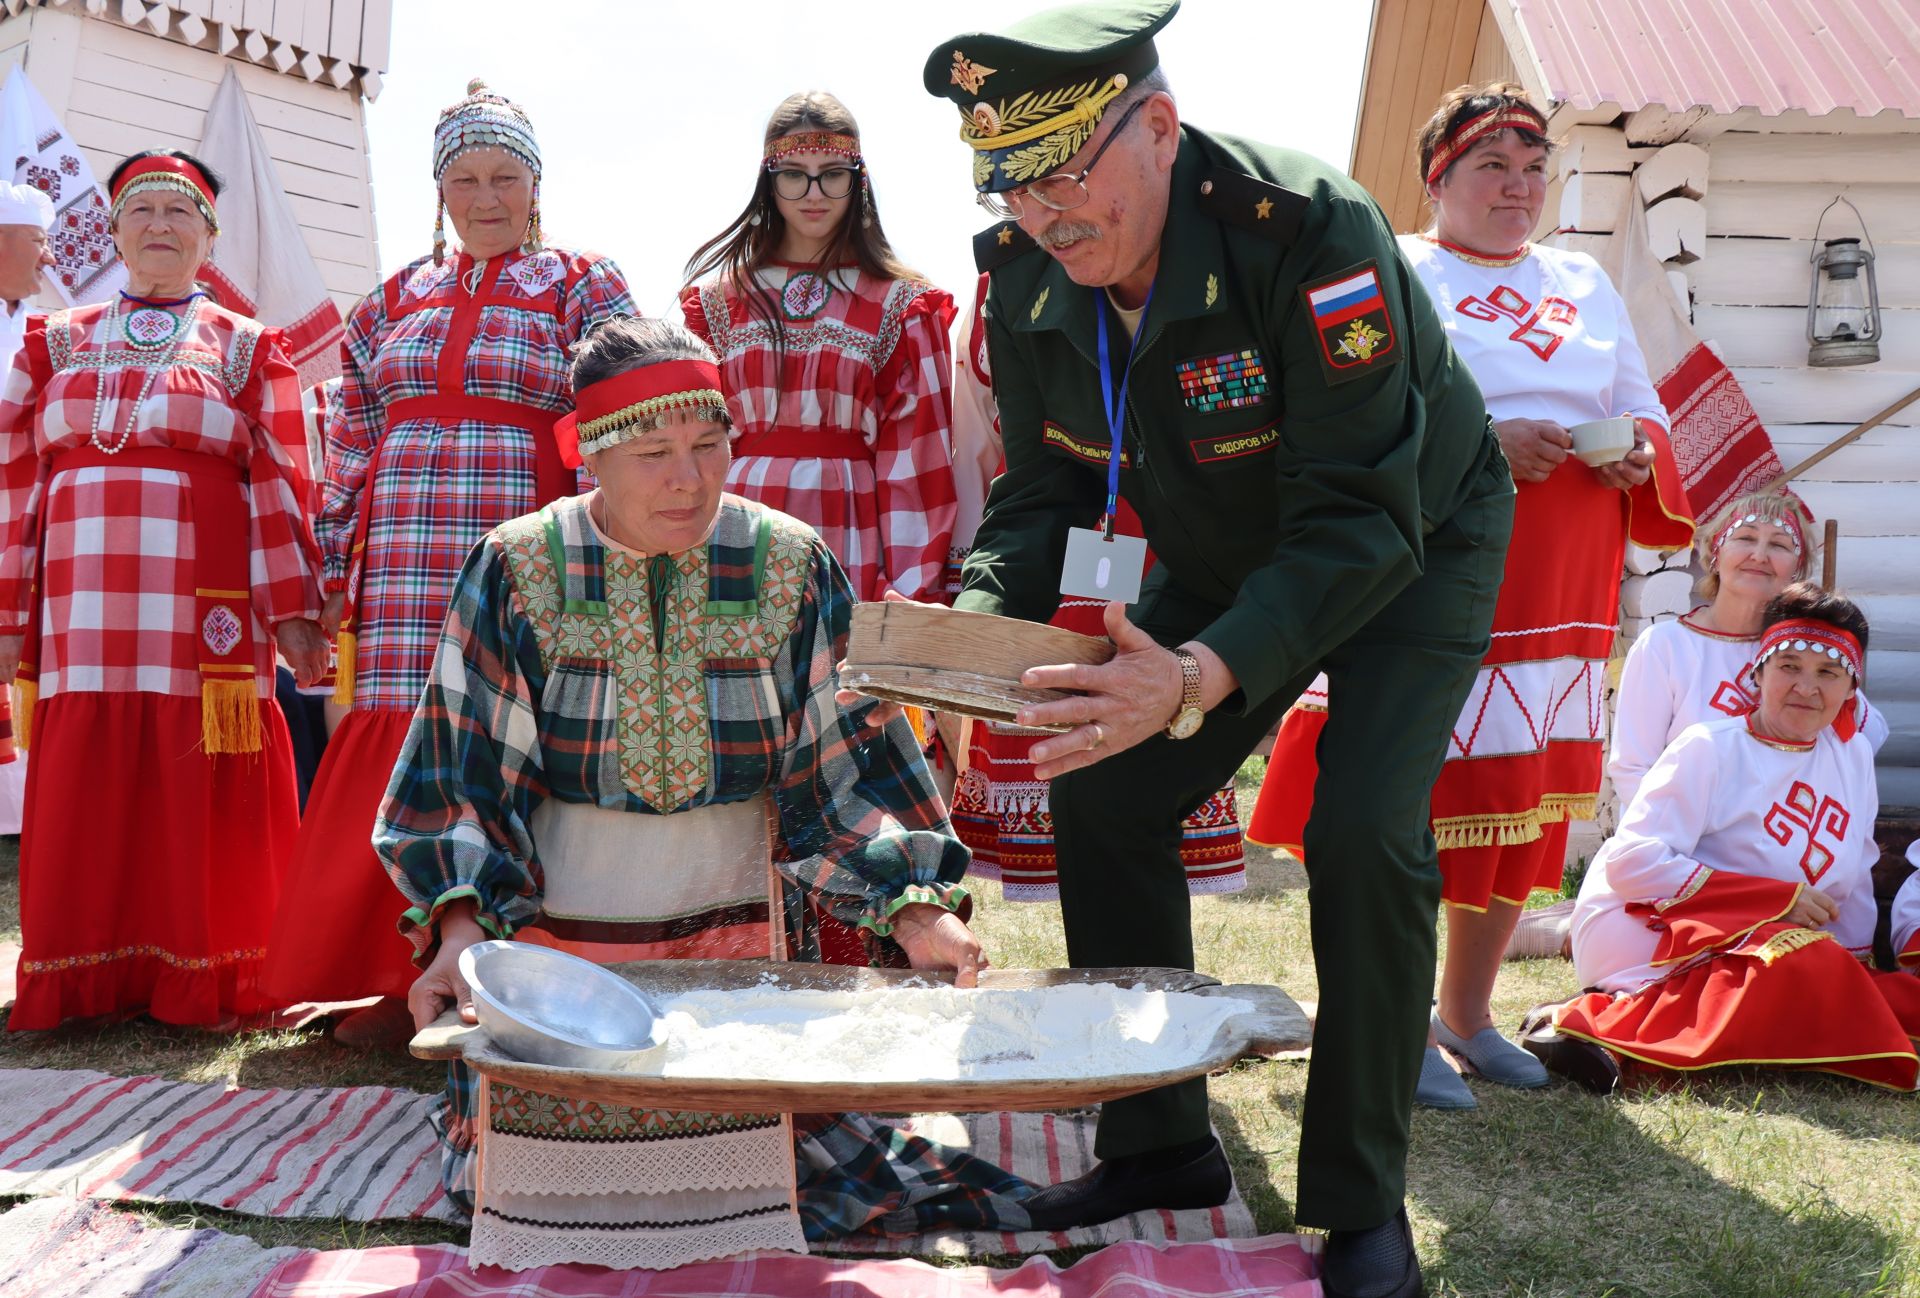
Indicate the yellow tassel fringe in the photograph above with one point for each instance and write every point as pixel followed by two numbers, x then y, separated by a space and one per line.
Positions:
pixel 1787 942
pixel 230 717
pixel 25 694
pixel 349 646
pixel 1512 830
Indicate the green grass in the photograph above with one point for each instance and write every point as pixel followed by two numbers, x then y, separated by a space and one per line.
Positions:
pixel 1745 1186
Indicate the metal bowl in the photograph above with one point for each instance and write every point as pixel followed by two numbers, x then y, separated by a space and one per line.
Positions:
pixel 547 1007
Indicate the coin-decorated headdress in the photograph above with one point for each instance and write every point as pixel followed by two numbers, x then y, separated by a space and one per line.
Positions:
pixel 1030 97
pixel 484 120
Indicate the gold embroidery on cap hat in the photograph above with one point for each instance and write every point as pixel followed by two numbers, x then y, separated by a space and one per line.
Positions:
pixel 969 75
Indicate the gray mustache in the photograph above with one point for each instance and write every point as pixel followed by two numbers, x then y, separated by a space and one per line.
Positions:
pixel 1066 232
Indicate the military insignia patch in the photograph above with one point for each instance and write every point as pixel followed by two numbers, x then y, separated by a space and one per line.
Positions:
pixel 1039 305
pixel 1052 434
pixel 1351 321
pixel 1224 382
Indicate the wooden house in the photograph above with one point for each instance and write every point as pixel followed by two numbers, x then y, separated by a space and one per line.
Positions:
pixel 124 75
pixel 1738 121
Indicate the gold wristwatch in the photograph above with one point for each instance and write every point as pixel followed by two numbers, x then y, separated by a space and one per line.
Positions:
pixel 1186 722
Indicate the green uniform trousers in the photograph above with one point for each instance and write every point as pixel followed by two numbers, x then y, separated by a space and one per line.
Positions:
pixel 1396 688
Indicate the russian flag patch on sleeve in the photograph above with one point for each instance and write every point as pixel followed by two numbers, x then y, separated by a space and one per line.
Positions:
pixel 1351 320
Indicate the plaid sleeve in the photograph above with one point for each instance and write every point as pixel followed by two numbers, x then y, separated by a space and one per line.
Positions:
pixel 913 450
pixel 285 563
pixel 455 820
pixel 598 293
pixel 352 434
pixel 20 470
pixel 862 828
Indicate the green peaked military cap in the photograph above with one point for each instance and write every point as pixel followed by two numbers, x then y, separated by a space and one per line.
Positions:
pixel 1030 96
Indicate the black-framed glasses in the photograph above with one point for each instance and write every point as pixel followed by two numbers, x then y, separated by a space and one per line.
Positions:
pixel 793 184
pixel 1060 192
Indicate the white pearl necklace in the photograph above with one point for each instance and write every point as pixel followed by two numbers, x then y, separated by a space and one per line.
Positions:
pixel 146 385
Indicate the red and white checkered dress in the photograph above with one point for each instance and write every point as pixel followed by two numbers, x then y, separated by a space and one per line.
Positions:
pixel 847 425
pixel 150 868
pixel 454 375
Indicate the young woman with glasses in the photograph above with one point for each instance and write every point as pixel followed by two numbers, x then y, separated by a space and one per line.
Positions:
pixel 834 356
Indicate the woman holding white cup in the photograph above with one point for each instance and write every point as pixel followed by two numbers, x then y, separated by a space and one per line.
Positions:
pixel 1547 337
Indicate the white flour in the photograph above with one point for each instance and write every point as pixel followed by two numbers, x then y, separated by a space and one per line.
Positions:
pixel 937 1033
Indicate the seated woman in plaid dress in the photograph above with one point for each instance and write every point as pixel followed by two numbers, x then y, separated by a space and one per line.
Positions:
pixel 632 687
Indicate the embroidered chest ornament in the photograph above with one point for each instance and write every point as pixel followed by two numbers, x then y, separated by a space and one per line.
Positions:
pixel 1351 324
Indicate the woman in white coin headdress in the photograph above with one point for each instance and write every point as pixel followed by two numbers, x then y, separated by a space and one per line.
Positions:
pixel 157 554
pixel 456 371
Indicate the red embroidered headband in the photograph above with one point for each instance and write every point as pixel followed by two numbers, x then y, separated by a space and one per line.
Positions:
pixel 1475 129
pixel 1786 523
pixel 847 146
pixel 636 401
pixel 175 174
pixel 1819 637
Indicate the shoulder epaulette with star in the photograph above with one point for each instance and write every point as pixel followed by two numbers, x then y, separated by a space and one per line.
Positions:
pixel 1268 210
pixel 999 244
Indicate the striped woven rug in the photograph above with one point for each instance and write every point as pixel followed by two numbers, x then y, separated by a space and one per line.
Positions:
pixel 75 1249
pixel 366 1154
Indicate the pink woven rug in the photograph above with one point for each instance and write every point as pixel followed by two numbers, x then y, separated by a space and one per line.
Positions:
pixel 1275 1266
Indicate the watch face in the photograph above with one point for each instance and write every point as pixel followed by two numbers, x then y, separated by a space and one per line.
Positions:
pixel 1186 724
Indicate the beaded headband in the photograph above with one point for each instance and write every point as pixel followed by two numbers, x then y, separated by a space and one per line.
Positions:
pixel 1474 129
pixel 620 408
pixel 1819 637
pixel 172 174
pixel 847 146
pixel 1786 523
pixel 483 120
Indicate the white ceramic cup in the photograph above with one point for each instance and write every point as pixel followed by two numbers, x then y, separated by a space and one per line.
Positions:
pixel 1603 441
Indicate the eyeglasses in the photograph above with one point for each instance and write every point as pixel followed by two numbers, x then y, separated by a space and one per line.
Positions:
pixel 1060 192
pixel 794 185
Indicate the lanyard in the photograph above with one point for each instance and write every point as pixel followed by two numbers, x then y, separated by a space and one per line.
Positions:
pixel 1116 403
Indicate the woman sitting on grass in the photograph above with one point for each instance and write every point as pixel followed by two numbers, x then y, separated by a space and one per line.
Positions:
pixel 1727 920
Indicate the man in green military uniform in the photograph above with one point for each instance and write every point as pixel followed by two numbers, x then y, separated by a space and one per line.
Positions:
pixel 1317 477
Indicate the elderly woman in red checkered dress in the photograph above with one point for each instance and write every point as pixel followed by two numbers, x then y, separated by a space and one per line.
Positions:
pixel 152 472
pixel 456 371
pixel 835 358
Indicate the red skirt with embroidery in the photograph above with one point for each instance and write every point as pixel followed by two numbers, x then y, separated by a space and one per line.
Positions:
pixel 149 871
pixel 1786 997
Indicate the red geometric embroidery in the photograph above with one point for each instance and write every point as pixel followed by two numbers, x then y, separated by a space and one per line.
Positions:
pixel 1812 815
pixel 1541 330
pixel 1733 699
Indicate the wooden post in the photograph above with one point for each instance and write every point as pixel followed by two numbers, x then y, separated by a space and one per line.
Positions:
pixel 1829 556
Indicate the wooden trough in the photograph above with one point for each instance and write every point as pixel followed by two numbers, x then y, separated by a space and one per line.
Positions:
pixel 1275 1024
pixel 950 660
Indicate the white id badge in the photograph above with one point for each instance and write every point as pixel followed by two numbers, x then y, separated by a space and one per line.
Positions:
pixel 1099 567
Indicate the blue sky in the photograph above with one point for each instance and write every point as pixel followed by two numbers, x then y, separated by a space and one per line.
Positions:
pixel 650 114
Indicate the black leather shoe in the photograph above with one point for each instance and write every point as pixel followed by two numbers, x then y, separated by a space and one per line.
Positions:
pixel 1584 1063
pixel 1376 1263
pixel 1188 1176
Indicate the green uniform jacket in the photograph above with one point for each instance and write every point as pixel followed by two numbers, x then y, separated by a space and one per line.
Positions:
pixel 1286 456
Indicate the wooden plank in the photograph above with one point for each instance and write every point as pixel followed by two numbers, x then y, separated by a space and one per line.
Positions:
pixel 376 33
pixel 1777 336
pixel 1492 60
pixel 1598 148
pixel 353 280
pixel 316 27
pixel 1676 169
pixel 258 16
pixel 1903 719
pixel 1677 229
pixel 1842 121
pixel 1786 211
pixel 329 186
pixel 230 12
pixel 264 83
pixel 349 249
pixel 58 37
pixel 322 155
pixel 177 83
pixel 343 39
pixel 118 138
pixel 1900 784
pixel 1866 508
pixel 139 46
pixel 289 20
pixel 1815 159
pixel 1593 202
pixel 147 112
pixel 347 218
pixel 1893 676
pixel 1895 619
pixel 1775 272
pixel 1879 565
pixel 1844 396
pixel 1882 454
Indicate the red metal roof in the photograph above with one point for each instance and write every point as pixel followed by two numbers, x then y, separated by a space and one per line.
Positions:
pixel 1727 55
